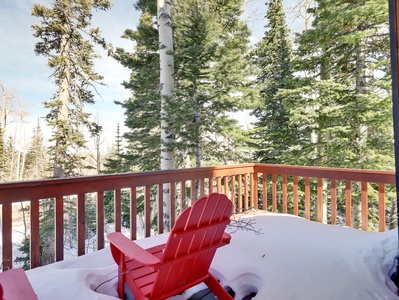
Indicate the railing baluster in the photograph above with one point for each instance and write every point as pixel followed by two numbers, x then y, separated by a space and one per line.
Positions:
pixel 285 202
pixel 264 187
pixel 81 224
pixel 307 198
pixel 172 204
pixel 381 207
pixel 320 200
pixel 348 203
pixel 226 185
pixel 202 188
pixel 160 208
pixel 194 189
pixel 274 192
pixel 34 234
pixel 246 191
pixel 333 202
pixel 233 192
pixel 219 185
pixel 183 202
pixel 295 194
pixel 254 190
pixel 147 211
pixel 7 236
pixel 365 206
pixel 239 193
pixel 210 185
pixel 100 220
pixel 133 213
pixel 59 228
pixel 118 210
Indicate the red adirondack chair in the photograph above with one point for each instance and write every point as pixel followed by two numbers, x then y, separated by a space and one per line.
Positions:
pixel 166 270
pixel 15 285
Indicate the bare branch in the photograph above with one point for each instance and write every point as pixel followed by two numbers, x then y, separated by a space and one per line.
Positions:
pixel 244 224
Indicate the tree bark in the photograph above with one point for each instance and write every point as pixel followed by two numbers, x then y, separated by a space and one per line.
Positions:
pixel 166 89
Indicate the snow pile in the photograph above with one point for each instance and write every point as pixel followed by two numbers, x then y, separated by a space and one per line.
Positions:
pixel 291 258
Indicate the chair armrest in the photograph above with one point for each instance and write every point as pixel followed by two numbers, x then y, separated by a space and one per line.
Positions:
pixel 15 285
pixel 132 250
pixel 226 238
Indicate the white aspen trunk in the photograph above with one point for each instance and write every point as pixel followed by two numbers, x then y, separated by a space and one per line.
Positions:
pixel 6 99
pixel 166 89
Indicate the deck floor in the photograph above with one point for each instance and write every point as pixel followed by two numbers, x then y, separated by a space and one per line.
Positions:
pixel 208 295
pixel 205 294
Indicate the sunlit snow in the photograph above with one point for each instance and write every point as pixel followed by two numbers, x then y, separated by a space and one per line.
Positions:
pixel 291 258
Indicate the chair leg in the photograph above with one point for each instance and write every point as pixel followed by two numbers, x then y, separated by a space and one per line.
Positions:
pixel 121 283
pixel 217 288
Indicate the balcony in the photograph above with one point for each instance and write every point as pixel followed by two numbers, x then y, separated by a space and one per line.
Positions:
pixel 336 196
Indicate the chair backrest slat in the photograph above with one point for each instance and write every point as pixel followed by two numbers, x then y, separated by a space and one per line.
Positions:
pixel 192 243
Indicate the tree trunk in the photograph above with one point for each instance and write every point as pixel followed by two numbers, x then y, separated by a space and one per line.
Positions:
pixel 166 89
pixel 361 90
pixel 363 129
pixel 62 117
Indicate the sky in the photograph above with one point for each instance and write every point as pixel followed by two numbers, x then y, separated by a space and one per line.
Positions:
pixel 291 258
pixel 26 73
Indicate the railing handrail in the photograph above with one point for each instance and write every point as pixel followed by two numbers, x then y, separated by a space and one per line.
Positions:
pixel 38 189
pixel 376 176
pixel 11 192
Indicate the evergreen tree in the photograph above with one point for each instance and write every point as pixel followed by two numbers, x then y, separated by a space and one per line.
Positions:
pixel 10 153
pixel 344 104
pixel 24 261
pixel 36 164
pixel 142 109
pixel 115 163
pixel 63 29
pixel 211 71
pixel 210 75
pixel 273 132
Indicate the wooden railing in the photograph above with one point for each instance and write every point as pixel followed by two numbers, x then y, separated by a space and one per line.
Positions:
pixel 328 195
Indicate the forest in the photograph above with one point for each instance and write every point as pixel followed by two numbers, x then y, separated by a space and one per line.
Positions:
pixel 319 97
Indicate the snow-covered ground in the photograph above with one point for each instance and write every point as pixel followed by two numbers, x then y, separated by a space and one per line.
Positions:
pixel 291 258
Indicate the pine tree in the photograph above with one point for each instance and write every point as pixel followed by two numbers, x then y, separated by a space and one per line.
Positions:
pixel 63 29
pixel 345 102
pixel 115 163
pixel 273 132
pixel 208 87
pixel 36 165
pixel 10 154
pixel 343 105
pixel 142 109
pixel 211 70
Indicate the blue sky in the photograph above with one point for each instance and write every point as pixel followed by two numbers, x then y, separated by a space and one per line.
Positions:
pixel 29 75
